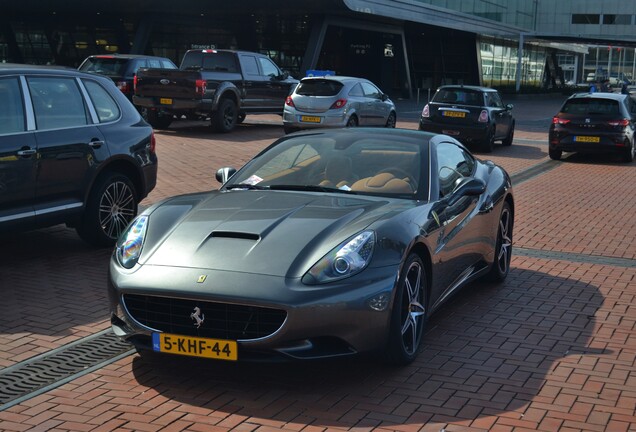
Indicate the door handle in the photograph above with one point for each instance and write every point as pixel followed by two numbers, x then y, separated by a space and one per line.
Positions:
pixel 26 152
pixel 96 143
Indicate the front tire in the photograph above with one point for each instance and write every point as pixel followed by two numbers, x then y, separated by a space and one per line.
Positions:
pixel 111 206
pixel 225 118
pixel 511 134
pixel 391 121
pixel 409 314
pixel 503 247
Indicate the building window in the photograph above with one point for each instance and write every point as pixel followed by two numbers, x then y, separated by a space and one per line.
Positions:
pixel 617 19
pixel 586 19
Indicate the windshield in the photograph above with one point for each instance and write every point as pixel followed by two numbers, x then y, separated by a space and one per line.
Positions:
pixel 589 106
pixel 360 163
pixel 459 96
pixel 109 66
pixel 315 87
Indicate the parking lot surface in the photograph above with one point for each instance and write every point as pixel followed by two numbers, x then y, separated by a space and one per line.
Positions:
pixel 552 348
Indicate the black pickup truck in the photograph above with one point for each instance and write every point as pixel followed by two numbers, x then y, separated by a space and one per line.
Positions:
pixel 222 85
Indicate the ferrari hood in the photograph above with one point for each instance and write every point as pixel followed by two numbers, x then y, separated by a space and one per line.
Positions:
pixel 277 233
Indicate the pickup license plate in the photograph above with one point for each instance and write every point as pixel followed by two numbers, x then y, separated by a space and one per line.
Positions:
pixel 457 114
pixel 165 101
pixel 310 119
pixel 220 349
pixel 590 139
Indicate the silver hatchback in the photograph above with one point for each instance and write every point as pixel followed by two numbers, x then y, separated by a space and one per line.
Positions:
pixel 337 101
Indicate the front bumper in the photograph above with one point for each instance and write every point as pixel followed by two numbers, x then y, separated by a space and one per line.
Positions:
pixel 322 321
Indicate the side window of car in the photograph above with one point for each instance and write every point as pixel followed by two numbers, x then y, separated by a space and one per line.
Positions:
pixel 356 91
pixel 153 63
pixel 494 100
pixel 268 67
pixel 371 91
pixel 453 163
pixel 12 107
pixel 107 109
pixel 57 102
pixel 165 64
pixel 249 65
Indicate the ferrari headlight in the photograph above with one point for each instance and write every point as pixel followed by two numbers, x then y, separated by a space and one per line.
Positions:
pixel 347 259
pixel 131 242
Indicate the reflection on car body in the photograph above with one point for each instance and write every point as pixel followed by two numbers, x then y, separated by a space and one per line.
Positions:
pixel 328 243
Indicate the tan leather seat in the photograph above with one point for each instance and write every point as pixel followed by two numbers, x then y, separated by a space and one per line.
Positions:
pixel 338 172
pixel 383 183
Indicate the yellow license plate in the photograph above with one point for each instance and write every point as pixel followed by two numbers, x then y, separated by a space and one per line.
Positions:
pixel 165 101
pixel 458 114
pixel 310 119
pixel 220 349
pixel 591 139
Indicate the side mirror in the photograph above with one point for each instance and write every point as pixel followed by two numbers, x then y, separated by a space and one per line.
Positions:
pixel 385 97
pixel 509 107
pixel 224 174
pixel 466 186
pixel 284 75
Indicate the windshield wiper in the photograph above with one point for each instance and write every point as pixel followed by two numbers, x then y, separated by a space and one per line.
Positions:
pixel 311 188
pixel 246 186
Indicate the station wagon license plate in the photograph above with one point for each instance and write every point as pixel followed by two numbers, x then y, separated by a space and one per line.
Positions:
pixel 310 119
pixel 589 139
pixel 457 114
pixel 220 349
pixel 165 101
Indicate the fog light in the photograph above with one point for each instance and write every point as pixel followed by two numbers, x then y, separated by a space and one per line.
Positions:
pixel 379 303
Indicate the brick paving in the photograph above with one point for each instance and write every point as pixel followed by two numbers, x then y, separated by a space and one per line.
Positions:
pixel 552 348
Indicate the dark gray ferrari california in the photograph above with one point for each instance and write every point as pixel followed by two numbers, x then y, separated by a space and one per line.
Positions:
pixel 327 243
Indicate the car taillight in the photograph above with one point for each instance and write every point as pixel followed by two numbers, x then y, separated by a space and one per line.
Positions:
pixel 483 117
pixel 338 104
pixel 289 102
pixel 123 86
pixel 426 112
pixel 560 121
pixel 621 122
pixel 135 83
pixel 153 142
pixel 200 86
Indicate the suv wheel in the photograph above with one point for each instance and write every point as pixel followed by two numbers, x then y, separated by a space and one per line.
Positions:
pixel 226 116
pixel 156 119
pixel 112 204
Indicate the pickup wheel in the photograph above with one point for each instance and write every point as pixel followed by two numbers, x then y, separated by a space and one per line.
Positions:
pixel 157 120
pixel 225 118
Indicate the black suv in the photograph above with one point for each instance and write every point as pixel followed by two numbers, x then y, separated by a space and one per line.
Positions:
pixel 73 150
pixel 122 68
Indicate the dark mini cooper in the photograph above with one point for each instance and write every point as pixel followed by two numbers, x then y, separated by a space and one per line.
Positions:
pixel 594 123
pixel 73 150
pixel 475 116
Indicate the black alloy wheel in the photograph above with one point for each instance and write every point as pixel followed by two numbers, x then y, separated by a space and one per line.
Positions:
pixel 225 118
pixel 503 247
pixel 511 134
pixel 409 315
pixel 488 144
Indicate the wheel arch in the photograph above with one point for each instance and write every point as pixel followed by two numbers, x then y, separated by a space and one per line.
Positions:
pixel 122 166
pixel 425 255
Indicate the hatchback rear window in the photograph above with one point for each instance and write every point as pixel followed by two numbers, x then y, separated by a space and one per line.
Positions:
pixel 590 106
pixel 460 96
pixel 318 88
pixel 108 66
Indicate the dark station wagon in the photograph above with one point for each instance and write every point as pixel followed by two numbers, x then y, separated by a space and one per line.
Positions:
pixel 73 150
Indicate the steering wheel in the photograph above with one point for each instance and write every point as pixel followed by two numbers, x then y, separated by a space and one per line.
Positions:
pixel 401 173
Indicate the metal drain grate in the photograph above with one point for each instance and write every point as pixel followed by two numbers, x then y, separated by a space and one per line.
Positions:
pixel 41 373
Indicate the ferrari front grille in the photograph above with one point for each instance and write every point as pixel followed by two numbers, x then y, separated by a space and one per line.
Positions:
pixel 204 318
